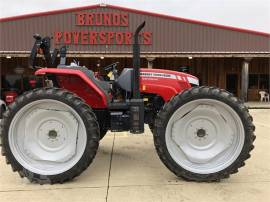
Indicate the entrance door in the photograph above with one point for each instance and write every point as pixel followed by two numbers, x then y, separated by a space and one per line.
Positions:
pixel 232 83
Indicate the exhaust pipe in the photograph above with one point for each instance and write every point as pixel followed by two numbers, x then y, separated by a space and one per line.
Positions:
pixel 136 103
pixel 136 62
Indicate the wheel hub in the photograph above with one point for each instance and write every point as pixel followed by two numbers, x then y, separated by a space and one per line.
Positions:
pixel 50 135
pixel 202 134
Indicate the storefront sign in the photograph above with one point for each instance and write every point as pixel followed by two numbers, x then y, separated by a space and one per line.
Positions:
pixel 90 36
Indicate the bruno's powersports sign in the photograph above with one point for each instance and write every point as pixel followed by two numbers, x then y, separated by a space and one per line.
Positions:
pixel 93 37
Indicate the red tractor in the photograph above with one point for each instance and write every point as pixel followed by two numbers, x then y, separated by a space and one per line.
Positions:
pixel 51 134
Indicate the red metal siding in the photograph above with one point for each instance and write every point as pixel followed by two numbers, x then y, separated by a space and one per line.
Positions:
pixel 170 34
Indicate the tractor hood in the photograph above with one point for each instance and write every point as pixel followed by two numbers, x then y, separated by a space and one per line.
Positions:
pixel 165 83
pixel 169 74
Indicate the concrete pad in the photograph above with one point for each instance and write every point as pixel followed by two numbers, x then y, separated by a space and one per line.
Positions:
pixel 188 191
pixel 54 194
pixel 257 168
pixel 135 161
pixel 137 174
pixel 258 105
pixel 95 176
pixel 261 117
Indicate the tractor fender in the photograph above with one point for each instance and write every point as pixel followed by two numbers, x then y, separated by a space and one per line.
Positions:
pixel 77 82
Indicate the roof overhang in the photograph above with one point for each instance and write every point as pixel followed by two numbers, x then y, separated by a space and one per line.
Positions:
pixel 149 54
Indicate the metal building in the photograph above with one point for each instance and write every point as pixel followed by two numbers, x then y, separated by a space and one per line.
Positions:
pixel 231 58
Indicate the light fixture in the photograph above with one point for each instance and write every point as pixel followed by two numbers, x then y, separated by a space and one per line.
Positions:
pixel 190 57
pixel 8 57
pixel 102 57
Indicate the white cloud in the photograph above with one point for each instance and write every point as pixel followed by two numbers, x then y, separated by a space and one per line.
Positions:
pixel 249 14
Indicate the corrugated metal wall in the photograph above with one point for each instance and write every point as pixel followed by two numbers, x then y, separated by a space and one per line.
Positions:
pixel 169 35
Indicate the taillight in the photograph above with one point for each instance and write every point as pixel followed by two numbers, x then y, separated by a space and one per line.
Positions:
pixel 9 99
pixel 32 83
pixel 10 96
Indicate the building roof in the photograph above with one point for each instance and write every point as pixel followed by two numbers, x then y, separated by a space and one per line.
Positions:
pixel 163 35
pixel 13 18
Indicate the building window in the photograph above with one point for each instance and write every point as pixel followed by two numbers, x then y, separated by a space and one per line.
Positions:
pixel 264 81
pixel 253 81
pixel 259 81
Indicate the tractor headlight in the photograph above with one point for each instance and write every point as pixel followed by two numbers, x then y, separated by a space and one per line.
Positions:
pixel 193 81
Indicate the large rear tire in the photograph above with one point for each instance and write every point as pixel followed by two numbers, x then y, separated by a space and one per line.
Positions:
pixel 49 135
pixel 204 134
pixel 2 110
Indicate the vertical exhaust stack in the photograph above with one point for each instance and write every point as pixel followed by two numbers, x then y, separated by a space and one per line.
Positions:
pixel 136 62
pixel 136 103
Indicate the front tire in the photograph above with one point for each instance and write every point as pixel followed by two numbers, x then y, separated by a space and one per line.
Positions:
pixel 204 134
pixel 49 135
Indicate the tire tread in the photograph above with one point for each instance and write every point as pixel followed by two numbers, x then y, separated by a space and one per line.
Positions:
pixel 86 113
pixel 197 93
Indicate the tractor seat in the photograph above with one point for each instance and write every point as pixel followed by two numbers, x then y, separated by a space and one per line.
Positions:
pixel 104 86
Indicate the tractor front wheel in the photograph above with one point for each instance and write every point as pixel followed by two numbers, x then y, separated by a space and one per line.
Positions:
pixel 49 135
pixel 204 134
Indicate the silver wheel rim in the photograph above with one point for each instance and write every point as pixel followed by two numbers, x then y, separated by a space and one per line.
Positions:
pixel 204 136
pixel 47 137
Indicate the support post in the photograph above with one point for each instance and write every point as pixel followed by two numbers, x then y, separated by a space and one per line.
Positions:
pixel 244 79
pixel 150 63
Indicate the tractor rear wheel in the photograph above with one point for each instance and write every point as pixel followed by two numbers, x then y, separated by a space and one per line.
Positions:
pixel 49 135
pixel 204 134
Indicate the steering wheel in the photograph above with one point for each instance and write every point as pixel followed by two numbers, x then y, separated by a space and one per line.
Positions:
pixel 111 67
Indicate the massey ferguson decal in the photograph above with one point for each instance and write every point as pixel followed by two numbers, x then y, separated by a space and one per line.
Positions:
pixel 157 75
pixel 90 36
